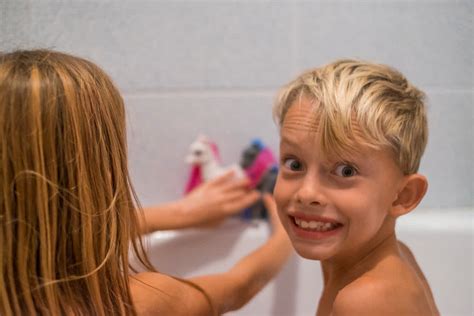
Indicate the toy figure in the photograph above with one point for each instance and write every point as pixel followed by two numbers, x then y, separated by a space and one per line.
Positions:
pixel 257 163
pixel 260 166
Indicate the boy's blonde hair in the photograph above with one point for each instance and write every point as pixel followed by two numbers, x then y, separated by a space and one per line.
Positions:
pixel 372 98
pixel 67 207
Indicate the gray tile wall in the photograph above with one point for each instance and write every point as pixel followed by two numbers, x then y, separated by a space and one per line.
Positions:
pixel 190 67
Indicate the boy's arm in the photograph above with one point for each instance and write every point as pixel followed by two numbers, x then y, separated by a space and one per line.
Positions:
pixel 231 290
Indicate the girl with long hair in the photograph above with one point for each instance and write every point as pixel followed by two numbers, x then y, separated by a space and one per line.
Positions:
pixel 68 214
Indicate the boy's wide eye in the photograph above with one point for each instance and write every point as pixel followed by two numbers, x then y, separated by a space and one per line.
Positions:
pixel 345 171
pixel 292 164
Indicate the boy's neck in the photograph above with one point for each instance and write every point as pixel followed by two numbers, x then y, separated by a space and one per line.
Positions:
pixel 342 271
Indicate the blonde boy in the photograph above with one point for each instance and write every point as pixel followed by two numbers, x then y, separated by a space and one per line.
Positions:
pixel 352 136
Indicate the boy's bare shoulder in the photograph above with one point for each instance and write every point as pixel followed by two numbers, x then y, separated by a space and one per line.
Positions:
pixel 389 289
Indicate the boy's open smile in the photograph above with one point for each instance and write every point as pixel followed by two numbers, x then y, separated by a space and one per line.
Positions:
pixel 313 227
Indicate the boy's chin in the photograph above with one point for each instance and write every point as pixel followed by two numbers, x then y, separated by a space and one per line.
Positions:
pixel 312 254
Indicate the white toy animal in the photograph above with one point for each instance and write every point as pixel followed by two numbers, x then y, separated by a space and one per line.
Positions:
pixel 203 153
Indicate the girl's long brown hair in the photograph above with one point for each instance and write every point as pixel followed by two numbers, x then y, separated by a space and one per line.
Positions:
pixel 67 208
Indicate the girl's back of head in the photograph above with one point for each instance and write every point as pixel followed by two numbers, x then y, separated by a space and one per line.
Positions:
pixel 67 211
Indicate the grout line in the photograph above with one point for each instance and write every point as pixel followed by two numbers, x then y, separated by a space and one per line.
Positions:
pixel 204 93
pixel 201 93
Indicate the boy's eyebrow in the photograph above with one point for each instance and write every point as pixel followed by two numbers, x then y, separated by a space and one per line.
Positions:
pixel 288 141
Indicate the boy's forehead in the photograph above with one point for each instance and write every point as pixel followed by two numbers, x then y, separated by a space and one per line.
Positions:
pixel 302 115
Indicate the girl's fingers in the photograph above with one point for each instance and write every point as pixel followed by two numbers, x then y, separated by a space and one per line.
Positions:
pixel 240 193
pixel 270 205
pixel 236 184
pixel 225 177
pixel 239 202
pixel 269 202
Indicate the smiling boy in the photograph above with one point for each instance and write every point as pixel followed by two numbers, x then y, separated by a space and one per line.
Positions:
pixel 352 137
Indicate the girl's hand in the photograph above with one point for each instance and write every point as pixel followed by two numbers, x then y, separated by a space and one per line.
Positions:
pixel 277 228
pixel 219 198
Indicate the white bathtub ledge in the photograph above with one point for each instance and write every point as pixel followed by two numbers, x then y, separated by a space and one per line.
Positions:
pixel 442 220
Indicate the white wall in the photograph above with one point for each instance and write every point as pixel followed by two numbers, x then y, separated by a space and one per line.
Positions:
pixel 187 67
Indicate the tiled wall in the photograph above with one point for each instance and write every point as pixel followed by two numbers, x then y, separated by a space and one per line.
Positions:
pixel 213 67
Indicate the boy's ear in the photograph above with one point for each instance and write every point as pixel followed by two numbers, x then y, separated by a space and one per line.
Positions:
pixel 410 195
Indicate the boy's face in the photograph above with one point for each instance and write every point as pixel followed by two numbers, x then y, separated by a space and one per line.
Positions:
pixel 331 208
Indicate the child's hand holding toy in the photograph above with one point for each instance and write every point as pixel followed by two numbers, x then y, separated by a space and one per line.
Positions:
pixel 205 205
pixel 219 198
pixel 214 192
pixel 257 166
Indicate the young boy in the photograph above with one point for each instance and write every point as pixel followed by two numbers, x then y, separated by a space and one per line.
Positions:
pixel 352 136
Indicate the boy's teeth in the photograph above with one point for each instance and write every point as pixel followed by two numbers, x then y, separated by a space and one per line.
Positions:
pixel 314 225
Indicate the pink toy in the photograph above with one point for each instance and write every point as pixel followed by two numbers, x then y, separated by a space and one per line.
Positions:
pixel 195 179
pixel 260 166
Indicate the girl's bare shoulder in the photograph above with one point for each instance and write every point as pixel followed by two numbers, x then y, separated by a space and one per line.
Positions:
pixel 159 294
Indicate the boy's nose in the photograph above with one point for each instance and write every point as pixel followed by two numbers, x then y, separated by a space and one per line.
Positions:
pixel 311 192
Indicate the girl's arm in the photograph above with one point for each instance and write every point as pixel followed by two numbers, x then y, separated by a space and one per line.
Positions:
pixel 210 202
pixel 155 293
pixel 233 289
